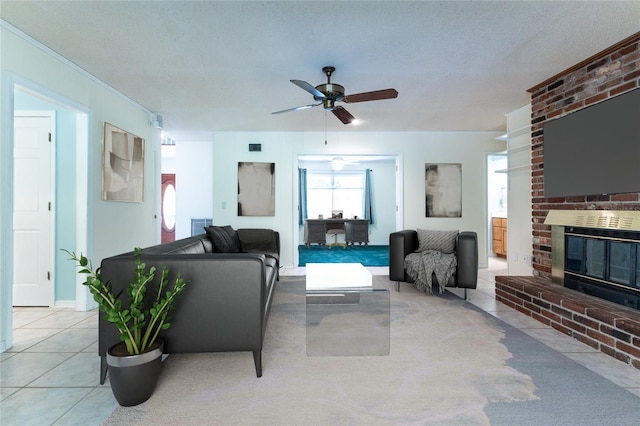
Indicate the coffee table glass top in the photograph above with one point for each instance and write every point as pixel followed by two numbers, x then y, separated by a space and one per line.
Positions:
pixel 346 313
pixel 334 276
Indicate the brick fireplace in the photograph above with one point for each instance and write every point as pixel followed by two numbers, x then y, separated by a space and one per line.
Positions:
pixel 607 74
pixel 606 326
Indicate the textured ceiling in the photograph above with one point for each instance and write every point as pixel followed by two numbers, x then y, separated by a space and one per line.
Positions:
pixel 209 66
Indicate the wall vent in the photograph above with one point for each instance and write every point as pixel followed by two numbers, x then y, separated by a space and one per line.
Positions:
pixel 198 224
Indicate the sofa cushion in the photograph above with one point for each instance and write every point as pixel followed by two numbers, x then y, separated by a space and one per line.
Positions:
pixel 443 241
pixel 225 239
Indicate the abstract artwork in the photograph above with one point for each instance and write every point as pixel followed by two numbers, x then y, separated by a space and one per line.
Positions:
pixel 443 189
pixel 256 189
pixel 122 166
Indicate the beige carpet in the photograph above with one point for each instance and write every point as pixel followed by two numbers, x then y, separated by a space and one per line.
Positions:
pixel 448 364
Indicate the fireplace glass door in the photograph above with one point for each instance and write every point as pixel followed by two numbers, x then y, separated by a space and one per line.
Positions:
pixel 594 258
pixel 603 263
pixel 620 262
pixel 574 254
pixel 637 283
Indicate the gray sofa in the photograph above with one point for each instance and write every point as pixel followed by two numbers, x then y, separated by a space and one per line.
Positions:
pixel 465 248
pixel 226 303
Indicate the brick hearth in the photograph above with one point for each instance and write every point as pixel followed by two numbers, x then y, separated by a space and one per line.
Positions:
pixel 610 328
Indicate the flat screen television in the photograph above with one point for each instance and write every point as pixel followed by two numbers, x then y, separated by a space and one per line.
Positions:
pixel 595 150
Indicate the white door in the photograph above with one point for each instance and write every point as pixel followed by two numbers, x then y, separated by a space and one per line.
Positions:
pixel 33 283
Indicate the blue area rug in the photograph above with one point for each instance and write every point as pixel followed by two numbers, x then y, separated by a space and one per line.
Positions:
pixel 366 255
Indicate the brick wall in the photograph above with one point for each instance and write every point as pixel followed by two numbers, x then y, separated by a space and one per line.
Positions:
pixel 605 75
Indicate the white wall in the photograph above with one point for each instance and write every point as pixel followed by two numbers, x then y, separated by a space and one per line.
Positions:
pixel 414 148
pixel 112 227
pixel 519 219
pixel 117 226
pixel 229 148
pixel 194 177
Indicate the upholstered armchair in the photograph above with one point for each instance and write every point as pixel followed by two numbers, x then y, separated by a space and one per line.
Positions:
pixel 463 245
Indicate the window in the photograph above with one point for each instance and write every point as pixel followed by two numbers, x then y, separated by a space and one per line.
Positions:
pixel 328 191
pixel 169 207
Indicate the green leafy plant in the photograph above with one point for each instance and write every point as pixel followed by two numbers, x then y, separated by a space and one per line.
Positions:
pixel 139 326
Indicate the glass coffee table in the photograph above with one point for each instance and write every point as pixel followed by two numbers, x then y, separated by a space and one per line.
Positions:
pixel 346 314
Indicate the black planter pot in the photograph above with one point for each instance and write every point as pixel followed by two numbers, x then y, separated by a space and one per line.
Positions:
pixel 133 378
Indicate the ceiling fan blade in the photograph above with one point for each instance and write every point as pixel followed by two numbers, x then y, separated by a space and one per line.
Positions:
pixel 296 108
pixel 376 95
pixel 309 88
pixel 343 115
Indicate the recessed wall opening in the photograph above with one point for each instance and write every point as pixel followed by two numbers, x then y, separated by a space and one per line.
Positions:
pixel 603 263
pixel 597 253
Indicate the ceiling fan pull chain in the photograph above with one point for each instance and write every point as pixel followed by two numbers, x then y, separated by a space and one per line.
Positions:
pixel 325 126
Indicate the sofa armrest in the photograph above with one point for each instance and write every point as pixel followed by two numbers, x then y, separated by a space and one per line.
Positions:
pixel 261 240
pixel 276 235
pixel 467 256
pixel 401 243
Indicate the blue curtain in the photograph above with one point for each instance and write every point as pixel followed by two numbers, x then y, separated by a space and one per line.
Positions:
pixel 302 195
pixel 368 199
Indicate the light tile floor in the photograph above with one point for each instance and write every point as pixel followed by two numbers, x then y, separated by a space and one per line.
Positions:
pixel 50 375
pixel 611 369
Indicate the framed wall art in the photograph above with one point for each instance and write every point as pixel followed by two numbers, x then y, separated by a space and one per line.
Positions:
pixel 122 166
pixel 443 189
pixel 256 189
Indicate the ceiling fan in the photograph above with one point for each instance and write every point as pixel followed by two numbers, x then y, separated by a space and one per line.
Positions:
pixel 328 94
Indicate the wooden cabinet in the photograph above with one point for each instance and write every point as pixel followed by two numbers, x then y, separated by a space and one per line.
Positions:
pixel 499 231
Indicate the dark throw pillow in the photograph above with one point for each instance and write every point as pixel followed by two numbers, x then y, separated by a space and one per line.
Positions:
pixel 224 238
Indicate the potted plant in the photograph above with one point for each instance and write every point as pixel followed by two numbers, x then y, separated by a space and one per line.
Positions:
pixel 135 362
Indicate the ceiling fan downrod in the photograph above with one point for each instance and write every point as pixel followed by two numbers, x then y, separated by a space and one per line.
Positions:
pixel 328 71
pixel 332 92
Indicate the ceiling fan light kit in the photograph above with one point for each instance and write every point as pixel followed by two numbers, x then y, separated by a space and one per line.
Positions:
pixel 329 93
pixel 337 163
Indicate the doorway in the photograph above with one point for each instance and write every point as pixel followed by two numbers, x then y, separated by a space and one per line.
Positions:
pixel 33 216
pixel 67 197
pixel 497 190
pixel 386 197
pixel 70 166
